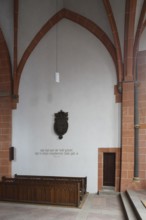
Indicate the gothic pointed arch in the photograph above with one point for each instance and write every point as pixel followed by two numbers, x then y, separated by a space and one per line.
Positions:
pixel 113 25
pixel 77 18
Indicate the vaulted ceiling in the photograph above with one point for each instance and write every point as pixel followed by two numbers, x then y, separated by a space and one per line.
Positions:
pixel 118 24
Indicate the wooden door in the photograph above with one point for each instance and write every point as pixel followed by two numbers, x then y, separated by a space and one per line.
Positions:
pixel 109 169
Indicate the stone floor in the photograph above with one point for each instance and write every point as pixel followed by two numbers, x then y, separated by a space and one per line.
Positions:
pixel 95 207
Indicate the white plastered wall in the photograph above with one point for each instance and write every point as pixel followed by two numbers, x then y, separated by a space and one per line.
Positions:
pixel 85 91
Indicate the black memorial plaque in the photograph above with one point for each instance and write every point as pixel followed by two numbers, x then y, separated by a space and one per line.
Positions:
pixel 61 123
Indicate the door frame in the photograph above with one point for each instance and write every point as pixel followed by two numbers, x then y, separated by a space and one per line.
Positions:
pixel 101 152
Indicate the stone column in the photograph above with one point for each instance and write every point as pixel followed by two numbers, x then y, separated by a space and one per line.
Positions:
pixel 127 150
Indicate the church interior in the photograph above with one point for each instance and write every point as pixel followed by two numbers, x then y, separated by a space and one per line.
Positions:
pixel 72 102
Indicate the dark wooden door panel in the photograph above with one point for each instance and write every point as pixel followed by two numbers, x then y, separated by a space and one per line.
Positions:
pixel 109 169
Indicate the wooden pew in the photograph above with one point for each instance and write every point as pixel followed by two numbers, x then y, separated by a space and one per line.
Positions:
pixel 82 180
pixel 53 192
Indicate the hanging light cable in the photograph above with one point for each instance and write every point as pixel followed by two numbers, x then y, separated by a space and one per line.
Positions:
pixel 57 74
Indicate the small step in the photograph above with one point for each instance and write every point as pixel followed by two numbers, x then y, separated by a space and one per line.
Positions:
pixel 137 204
pixel 108 190
pixel 129 212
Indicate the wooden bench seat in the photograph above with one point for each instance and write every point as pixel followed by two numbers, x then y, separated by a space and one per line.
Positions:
pixel 82 180
pixel 52 190
pixel 40 191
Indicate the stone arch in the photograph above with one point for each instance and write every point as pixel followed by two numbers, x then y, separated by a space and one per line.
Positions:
pixel 5 67
pixel 81 20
